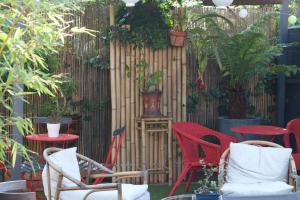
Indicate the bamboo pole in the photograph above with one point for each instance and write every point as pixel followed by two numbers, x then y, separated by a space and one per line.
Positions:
pixel 127 109
pixel 174 110
pixel 155 134
pixel 112 75
pixel 122 156
pixel 137 114
pixel 118 84
pixel 132 112
pixel 165 82
pixel 184 84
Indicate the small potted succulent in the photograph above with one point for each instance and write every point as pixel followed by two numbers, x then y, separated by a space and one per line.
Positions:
pixel 178 33
pixel 148 83
pixel 208 189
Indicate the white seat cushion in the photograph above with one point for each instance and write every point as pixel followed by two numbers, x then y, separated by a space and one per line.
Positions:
pixel 253 164
pixel 67 161
pixel 129 192
pixel 263 188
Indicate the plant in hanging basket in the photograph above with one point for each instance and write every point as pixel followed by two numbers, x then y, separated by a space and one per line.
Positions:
pixel 148 83
pixel 178 33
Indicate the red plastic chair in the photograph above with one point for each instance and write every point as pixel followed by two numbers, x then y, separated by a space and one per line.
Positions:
pixel 3 170
pixel 294 129
pixel 110 162
pixel 190 136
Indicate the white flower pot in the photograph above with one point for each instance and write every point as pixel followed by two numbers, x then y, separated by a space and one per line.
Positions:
pixel 53 129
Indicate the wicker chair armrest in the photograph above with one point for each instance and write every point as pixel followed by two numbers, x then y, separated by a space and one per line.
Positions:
pixel 97 188
pixel 106 186
pixel 122 175
pixel 222 168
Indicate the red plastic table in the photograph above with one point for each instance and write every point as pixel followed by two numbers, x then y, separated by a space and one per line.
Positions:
pixel 43 138
pixel 260 130
pixel 62 139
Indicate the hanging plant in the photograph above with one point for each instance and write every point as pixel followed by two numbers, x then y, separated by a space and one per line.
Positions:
pixel 146 24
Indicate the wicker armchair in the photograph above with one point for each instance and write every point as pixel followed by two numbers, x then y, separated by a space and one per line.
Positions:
pixel 223 163
pixel 90 166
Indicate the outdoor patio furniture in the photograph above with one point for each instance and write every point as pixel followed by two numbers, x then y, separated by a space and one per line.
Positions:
pixel 257 168
pixel 260 131
pixel 190 136
pixel 3 170
pixel 117 139
pixel 14 190
pixel 34 180
pixel 294 129
pixel 61 179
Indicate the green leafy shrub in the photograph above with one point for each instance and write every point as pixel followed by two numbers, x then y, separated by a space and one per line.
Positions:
pixel 29 31
pixel 149 25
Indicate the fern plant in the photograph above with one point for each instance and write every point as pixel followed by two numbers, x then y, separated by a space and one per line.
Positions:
pixel 241 56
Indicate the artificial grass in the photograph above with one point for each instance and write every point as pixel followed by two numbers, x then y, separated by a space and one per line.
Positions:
pixel 157 192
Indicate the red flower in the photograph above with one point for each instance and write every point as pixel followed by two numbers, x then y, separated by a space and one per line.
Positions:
pixel 200 84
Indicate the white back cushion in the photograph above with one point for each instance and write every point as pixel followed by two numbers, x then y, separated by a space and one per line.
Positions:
pixel 67 161
pixel 253 164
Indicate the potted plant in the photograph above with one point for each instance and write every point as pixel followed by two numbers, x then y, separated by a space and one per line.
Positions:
pixel 148 83
pixel 178 33
pixel 241 56
pixel 58 109
pixel 247 54
pixel 208 189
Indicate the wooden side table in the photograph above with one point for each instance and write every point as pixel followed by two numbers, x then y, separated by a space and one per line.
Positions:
pixel 152 132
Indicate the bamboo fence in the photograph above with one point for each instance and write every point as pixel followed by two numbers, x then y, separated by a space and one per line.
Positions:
pixel 124 98
pixel 180 69
pixel 94 82
pixel 127 101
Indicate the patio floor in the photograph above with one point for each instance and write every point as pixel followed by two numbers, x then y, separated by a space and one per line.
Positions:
pixel 160 191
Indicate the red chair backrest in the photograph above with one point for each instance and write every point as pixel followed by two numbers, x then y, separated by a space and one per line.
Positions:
pixel 191 135
pixel 294 128
pixel 118 135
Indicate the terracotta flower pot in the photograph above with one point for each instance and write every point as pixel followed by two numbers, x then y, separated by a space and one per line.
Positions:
pixel 152 103
pixel 177 38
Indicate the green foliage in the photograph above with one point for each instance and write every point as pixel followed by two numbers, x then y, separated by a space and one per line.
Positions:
pixel 30 32
pixel 248 54
pixel 97 62
pixel 144 30
pixel 202 37
pixel 207 185
pixel 64 103
pixel 147 82
pixel 181 19
pixel 241 56
pixel 85 107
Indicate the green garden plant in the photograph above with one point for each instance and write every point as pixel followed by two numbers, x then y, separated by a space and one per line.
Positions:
pixel 143 30
pixel 148 82
pixel 241 56
pixel 207 184
pixel 29 30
